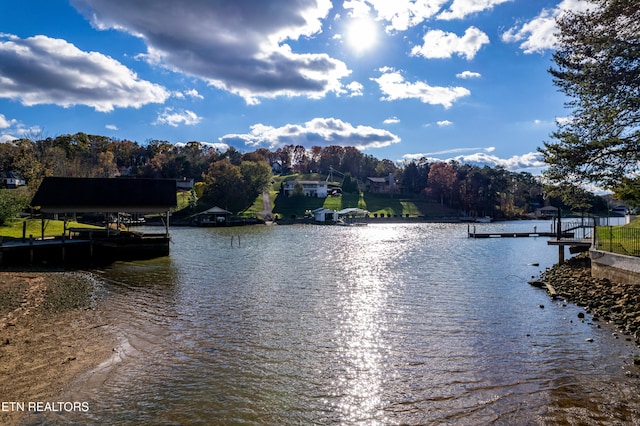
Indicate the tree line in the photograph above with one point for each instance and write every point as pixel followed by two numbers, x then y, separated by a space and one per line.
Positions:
pixel 233 180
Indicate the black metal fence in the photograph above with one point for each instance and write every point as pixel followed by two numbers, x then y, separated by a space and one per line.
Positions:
pixel 618 239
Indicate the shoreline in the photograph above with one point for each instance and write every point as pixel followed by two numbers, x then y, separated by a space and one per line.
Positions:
pixel 617 304
pixel 50 334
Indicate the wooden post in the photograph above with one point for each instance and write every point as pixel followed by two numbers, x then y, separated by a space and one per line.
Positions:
pixel 24 231
pixel 559 237
pixel 31 249
pixel 0 250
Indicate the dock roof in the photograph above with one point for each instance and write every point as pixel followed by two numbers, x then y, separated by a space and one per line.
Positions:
pixel 105 195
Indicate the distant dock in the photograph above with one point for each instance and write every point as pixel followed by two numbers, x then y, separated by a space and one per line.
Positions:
pixel 503 234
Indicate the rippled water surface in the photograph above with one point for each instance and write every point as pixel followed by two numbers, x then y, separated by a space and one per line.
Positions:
pixel 382 324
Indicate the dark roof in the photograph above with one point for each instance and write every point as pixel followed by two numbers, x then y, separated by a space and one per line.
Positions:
pixel 69 195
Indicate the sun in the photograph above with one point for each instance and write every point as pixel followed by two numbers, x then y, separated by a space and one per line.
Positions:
pixel 362 34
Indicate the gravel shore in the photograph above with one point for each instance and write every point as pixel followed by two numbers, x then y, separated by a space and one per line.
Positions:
pixel 50 333
pixel 602 298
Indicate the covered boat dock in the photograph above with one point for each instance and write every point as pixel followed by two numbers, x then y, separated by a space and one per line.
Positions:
pixel 63 198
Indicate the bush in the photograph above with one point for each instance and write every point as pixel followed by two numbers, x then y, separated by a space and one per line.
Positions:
pixel 12 202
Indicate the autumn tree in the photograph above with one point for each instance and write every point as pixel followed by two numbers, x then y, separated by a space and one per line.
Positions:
pixel 442 177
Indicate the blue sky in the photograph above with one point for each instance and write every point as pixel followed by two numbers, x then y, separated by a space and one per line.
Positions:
pixel 401 79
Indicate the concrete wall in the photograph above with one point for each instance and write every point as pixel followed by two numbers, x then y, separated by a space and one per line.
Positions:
pixel 615 267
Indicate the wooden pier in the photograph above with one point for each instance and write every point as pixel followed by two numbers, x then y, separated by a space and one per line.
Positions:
pixel 89 247
pixel 503 234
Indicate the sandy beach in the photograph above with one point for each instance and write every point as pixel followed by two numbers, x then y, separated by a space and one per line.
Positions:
pixel 49 334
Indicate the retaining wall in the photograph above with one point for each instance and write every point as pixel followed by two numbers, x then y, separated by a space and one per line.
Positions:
pixel 618 268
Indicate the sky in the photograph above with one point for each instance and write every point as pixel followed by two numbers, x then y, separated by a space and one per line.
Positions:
pixel 399 80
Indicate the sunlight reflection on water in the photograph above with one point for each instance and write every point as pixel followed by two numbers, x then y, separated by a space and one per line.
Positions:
pixel 384 324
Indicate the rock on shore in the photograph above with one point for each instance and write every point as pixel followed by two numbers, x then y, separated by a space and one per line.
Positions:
pixel 604 299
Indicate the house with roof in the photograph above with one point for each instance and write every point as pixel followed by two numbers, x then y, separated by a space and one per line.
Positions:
pixel 312 188
pixel 215 216
pixel 381 185
pixel 13 180
pixel 324 215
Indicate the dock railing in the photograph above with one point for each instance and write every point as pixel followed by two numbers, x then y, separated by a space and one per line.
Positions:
pixel 582 228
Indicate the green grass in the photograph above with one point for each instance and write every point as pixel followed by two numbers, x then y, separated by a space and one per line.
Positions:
pixel 376 204
pixel 624 239
pixel 13 228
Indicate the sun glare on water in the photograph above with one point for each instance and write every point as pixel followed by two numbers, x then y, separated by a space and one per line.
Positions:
pixel 362 35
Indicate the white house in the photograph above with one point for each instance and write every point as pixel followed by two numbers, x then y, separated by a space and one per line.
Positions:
pixel 312 188
pixel 12 180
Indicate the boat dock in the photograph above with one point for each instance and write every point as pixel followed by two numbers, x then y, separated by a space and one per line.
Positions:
pixel 471 232
pixel 86 247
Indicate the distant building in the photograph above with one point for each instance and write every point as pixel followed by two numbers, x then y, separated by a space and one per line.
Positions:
pixel 13 180
pixel 381 185
pixel 312 188
pixel 547 212
pixel 324 215
pixel 184 184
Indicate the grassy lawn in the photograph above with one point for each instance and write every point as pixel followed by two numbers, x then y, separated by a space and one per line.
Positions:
pixel 13 229
pixel 623 239
pixel 374 203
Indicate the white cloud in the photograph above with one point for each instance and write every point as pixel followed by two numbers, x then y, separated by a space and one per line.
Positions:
pixel 392 120
pixel 444 123
pixel 42 70
pixel 539 34
pixel 217 146
pixel 111 127
pixel 531 160
pixel 4 122
pixel 562 121
pixel 395 87
pixel 175 118
pixel 319 131
pixel 460 9
pixel 468 74
pixel 192 93
pixel 404 14
pixel 440 44
pixel 237 46
pixel 445 152
pixel 400 14
pixel 355 89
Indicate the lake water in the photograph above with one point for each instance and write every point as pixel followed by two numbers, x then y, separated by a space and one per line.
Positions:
pixel 381 324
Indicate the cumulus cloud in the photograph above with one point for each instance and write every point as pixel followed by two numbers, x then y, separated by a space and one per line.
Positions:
pixel 392 120
pixel 468 74
pixel 444 123
pixel 440 44
pixel 4 122
pixel 111 127
pixel 531 160
pixel 237 46
pixel 43 70
pixel 192 93
pixel 12 129
pixel 460 9
pixel 204 146
pixel 394 87
pixel 319 131
pixel 175 118
pixel 539 34
pixel 354 89
pixel 400 15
